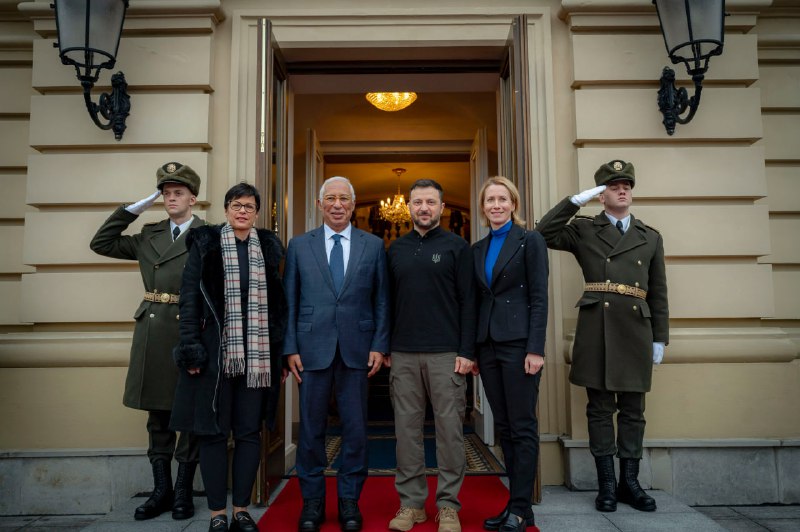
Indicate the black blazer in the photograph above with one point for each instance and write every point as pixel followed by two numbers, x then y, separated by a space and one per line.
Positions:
pixel 514 307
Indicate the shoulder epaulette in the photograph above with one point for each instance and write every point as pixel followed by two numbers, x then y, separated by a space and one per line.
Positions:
pixel 150 224
pixel 652 228
pixel 582 217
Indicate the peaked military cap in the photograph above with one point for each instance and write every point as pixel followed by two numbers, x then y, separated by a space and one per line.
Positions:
pixel 178 173
pixel 614 171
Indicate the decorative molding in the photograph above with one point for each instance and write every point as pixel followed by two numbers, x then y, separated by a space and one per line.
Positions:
pixel 65 350
pixel 720 346
pixel 571 443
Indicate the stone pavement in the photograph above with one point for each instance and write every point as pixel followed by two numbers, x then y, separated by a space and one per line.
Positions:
pixel 562 511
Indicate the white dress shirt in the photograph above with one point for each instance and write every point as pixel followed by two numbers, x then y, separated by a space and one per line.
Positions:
pixel 183 227
pixel 626 222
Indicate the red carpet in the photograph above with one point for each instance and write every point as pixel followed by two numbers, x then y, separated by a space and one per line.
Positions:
pixel 481 496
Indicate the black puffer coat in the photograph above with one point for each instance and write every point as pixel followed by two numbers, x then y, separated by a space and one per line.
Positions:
pixel 202 314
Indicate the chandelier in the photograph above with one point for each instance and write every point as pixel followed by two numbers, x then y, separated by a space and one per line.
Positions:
pixel 391 101
pixel 396 211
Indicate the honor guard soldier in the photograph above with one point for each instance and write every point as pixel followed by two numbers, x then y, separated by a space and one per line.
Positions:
pixel 160 250
pixel 623 324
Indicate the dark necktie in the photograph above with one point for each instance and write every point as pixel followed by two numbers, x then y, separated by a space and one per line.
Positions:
pixel 337 263
pixel 176 233
pixel 619 226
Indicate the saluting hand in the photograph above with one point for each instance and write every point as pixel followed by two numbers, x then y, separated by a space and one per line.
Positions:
pixel 142 205
pixel 582 198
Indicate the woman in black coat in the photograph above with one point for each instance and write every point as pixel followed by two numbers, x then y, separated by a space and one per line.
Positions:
pixel 232 321
pixel 511 271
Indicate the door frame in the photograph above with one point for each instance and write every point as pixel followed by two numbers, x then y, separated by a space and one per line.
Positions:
pixel 397 27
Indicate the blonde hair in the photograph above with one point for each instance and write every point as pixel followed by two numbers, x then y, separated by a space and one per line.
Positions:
pixel 512 192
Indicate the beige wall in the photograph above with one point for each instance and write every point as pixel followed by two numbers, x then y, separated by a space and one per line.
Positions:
pixel 723 191
pixel 708 190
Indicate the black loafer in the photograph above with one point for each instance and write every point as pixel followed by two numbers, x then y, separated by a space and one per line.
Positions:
pixel 243 522
pixel 494 523
pixel 514 523
pixel 219 523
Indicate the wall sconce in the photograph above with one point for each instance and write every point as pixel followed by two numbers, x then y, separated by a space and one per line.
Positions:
pixel 88 38
pixel 693 31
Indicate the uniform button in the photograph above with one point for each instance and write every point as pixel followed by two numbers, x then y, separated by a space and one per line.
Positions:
pixel 634 307
pixel 606 304
pixel 608 260
pixel 152 315
pixel 636 285
pixel 522 286
pixel 639 262
pixel 608 280
pixel 508 301
pixel 177 316
pixel 156 266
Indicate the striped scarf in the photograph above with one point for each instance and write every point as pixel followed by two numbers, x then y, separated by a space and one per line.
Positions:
pixel 251 353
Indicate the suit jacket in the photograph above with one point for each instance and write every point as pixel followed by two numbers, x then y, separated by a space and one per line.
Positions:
pixel 357 319
pixel 614 337
pixel 150 384
pixel 514 307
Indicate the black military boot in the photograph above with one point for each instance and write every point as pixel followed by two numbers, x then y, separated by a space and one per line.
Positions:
pixel 183 507
pixel 606 500
pixel 161 499
pixel 629 491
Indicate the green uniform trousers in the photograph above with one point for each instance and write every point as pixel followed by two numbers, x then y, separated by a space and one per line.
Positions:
pixel 600 410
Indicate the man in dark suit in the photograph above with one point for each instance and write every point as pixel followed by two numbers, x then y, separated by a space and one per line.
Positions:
pixel 623 323
pixel 160 249
pixel 338 331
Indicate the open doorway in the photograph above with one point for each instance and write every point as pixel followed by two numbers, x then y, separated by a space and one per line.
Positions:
pixel 317 50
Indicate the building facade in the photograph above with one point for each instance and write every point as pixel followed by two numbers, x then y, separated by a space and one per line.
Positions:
pixel 724 191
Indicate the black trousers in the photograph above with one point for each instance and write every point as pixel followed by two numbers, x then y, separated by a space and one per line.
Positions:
pixel 600 411
pixel 240 412
pixel 162 440
pixel 513 394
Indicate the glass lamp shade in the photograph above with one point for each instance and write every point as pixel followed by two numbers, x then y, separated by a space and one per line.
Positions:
pixel 391 101
pixel 89 33
pixel 693 29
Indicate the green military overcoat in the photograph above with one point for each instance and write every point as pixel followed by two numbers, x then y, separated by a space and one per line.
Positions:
pixel 152 374
pixel 613 347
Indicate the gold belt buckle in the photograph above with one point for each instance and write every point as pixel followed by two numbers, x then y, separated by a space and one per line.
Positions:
pixel 621 289
pixel 164 297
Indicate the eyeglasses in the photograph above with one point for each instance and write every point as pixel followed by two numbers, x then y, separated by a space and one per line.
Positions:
pixel 248 207
pixel 331 199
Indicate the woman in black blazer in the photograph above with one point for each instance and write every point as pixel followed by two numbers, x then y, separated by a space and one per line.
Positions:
pixel 511 270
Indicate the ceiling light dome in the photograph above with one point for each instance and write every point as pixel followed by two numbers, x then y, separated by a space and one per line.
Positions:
pixel 391 101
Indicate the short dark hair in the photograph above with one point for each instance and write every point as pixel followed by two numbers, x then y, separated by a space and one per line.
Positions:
pixel 427 183
pixel 240 190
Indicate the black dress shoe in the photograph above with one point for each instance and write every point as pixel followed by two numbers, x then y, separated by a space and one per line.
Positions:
pixel 312 516
pixel 494 523
pixel 219 523
pixel 243 522
pixel 350 519
pixel 514 523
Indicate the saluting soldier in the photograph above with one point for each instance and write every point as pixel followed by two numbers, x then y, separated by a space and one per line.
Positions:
pixel 150 385
pixel 623 323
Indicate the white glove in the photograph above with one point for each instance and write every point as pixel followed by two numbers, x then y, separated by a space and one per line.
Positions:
pixel 586 196
pixel 658 352
pixel 142 205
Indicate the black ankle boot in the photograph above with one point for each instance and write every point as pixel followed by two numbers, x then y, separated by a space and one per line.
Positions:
pixel 629 491
pixel 183 506
pixel 161 499
pixel 606 500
